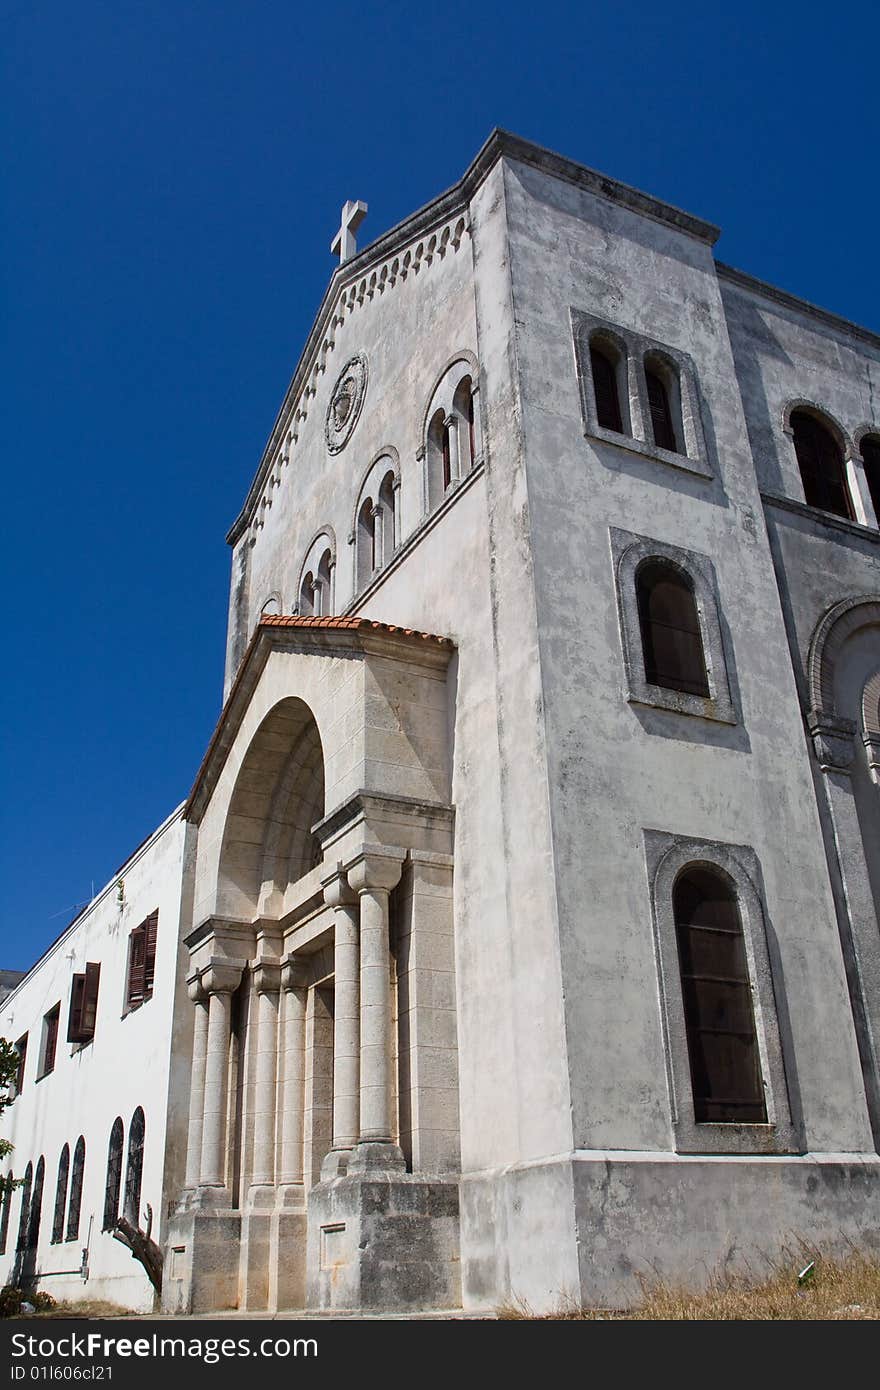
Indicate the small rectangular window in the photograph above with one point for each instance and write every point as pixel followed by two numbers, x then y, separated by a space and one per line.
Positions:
pixel 21 1049
pixel 84 1005
pixel 142 961
pixel 50 1040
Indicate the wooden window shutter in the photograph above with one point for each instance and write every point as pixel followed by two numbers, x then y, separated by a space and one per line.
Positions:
pixel 21 1048
pixel 151 927
pixel 84 1005
pixel 661 412
pixel 137 961
pixel 605 390
pixel 51 1039
pixel 74 1018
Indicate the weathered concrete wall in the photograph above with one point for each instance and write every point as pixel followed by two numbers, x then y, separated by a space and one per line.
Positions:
pixel 616 768
pixel 127 1064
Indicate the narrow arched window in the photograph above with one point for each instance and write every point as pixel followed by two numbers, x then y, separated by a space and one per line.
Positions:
pixel 660 407
pixel 76 1189
pixel 114 1176
pixel 61 1196
pixel 36 1211
pixel 448 427
pixel 388 503
pixel 24 1213
pixel 306 596
pixel 719 1018
pixel 871 460
pixel 366 542
pixel 6 1189
pixel 134 1168
pixel 463 411
pixel 672 643
pixel 820 460
pixel 324 588
pixel 604 370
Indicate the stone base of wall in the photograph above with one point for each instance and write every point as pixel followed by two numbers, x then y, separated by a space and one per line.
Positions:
pixel 588 1229
pixel 201 1272
pixel 383 1242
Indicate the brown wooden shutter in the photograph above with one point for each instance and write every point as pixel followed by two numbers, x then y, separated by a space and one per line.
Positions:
pixel 21 1048
pixel 74 1018
pixel 51 1039
pixel 151 927
pixel 137 965
pixel 90 999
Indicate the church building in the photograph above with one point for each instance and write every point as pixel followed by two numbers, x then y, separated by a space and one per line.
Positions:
pixel 518 938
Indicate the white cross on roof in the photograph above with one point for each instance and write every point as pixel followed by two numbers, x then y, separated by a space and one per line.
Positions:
pixel 343 244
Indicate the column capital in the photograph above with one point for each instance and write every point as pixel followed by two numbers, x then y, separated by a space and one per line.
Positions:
pixel 833 740
pixel 294 975
pixel 376 868
pixel 267 976
pixel 196 990
pixel 337 890
pixel 222 976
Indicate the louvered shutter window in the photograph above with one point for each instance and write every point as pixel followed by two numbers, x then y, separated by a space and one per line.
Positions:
pixel 7 1190
pixel 717 995
pixel 151 927
pixel 871 460
pixel 76 1187
pixel 661 411
pixel 50 1039
pixel 820 460
pixel 605 388
pixel 137 963
pixel 114 1176
pixel 84 1004
pixel 61 1196
pixel 672 643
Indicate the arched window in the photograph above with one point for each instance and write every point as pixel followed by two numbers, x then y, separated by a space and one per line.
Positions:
pixel 6 1189
pixel 672 643
pixel 307 596
pixel 463 410
pixel 871 460
pixel 366 543
pixel 660 405
pixel 604 369
pixel 719 1018
pixel 76 1189
pixel 26 1186
pixel 134 1168
pixel 388 504
pixel 61 1196
pixel 114 1176
pixel 820 460
pixel 439 461
pixel 33 1231
pixel 324 590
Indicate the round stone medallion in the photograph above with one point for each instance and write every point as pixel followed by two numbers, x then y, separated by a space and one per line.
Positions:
pixel 345 403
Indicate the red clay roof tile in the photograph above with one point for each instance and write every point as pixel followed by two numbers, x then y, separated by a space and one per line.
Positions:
pixel 363 624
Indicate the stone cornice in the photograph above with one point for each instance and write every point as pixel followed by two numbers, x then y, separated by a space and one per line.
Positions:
pixel 428 233
pixel 801 306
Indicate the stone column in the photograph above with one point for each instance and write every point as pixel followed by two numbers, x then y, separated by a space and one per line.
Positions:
pixel 219 980
pixel 378 515
pixel 833 742
pixel 450 425
pixel 395 515
pixel 346 1025
pixel 372 877
pixel 197 1084
pixel 860 492
pixel 267 982
pixel 290 1176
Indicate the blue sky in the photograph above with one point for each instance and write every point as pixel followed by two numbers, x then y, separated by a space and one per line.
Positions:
pixel 174 172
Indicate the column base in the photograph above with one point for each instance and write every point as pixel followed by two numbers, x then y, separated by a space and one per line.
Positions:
pixel 290 1196
pixel 336 1164
pixel 383 1241
pixel 375 1157
pixel 201 1261
pixel 210 1197
pixel 261 1196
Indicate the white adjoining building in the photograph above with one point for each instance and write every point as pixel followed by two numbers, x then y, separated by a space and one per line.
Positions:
pixel 519 936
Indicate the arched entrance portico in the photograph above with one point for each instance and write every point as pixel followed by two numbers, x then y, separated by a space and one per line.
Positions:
pixel 323 812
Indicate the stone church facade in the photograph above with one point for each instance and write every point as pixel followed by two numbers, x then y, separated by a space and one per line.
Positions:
pixel 519 936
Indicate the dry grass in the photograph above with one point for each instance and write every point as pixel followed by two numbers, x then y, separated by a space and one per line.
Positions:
pixel 839 1290
pixel 87 1308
